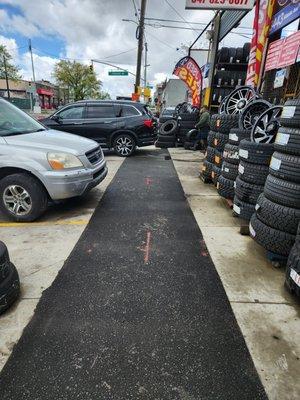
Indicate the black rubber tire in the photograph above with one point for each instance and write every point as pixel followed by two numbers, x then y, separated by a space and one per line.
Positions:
pixel 291 119
pixel 169 128
pixel 242 209
pixel 4 262
pixel 255 153
pixel 231 154
pixel 191 135
pixel 210 154
pixel 246 51
pixel 9 289
pixel 277 216
pixel 206 169
pixel 229 171
pixel 247 192
pixel 187 125
pixel 288 141
pixel 124 135
pixel 218 158
pixel 223 55
pixel 210 138
pixel 215 174
pixel 165 138
pixel 257 107
pixel 219 141
pixel 225 188
pixel 164 145
pixel 236 135
pixel 189 117
pixel 293 263
pixel 285 166
pixel 282 192
pixel 36 190
pixel 239 55
pixel 253 173
pixel 271 239
pixel 232 55
pixel 223 122
pixel 188 145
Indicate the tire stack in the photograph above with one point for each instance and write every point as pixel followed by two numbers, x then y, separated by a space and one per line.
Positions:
pixel 186 122
pixel 220 125
pixel 167 134
pixel 274 226
pixel 292 276
pixel 253 170
pixel 9 280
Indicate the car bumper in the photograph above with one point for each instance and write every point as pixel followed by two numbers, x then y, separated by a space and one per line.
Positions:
pixel 67 184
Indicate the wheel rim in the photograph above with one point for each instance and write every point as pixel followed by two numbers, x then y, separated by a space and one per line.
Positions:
pixel 17 200
pixel 238 100
pixel 124 145
pixel 222 106
pixel 267 125
pixel 252 113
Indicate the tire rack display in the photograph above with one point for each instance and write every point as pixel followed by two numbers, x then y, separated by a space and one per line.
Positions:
pixel 292 275
pixel 9 280
pixel 231 69
pixel 274 225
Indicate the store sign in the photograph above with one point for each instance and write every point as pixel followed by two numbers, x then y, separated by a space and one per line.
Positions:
pixel 283 52
pixel 190 73
pixel 285 16
pixel 279 79
pixel 261 26
pixel 219 4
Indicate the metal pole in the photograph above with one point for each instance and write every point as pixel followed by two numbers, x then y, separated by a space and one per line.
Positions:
pixel 6 77
pixel 146 65
pixel 140 31
pixel 32 65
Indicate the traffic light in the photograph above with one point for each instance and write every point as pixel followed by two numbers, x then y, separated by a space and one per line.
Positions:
pixel 91 68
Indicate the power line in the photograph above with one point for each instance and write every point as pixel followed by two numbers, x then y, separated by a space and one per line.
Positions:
pixel 189 22
pixel 174 9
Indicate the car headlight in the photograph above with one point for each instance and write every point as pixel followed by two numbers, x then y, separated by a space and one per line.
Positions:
pixel 60 161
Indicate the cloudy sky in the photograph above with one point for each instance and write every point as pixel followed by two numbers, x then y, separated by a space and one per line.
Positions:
pixel 93 29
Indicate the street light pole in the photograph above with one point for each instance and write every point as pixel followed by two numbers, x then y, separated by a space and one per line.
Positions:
pixel 6 77
pixel 140 31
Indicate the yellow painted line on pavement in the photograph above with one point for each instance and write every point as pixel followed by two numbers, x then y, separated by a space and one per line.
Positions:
pixel 43 223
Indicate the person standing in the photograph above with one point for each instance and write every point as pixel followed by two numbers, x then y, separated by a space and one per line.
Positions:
pixel 203 128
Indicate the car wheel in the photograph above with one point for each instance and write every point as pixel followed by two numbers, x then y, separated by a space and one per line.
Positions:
pixel 22 197
pixel 124 145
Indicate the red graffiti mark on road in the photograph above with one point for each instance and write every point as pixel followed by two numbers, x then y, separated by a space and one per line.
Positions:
pixel 148 181
pixel 147 248
pixel 203 249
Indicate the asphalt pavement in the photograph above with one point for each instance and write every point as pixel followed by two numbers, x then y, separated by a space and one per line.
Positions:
pixel 138 310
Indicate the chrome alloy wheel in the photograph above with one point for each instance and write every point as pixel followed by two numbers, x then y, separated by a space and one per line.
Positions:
pixel 239 99
pixel 267 125
pixel 17 200
pixel 124 146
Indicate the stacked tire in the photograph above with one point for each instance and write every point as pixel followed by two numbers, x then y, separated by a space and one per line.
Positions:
pixel 275 223
pixel 167 134
pixel 253 169
pixel 9 280
pixel 186 122
pixel 292 276
pixel 229 170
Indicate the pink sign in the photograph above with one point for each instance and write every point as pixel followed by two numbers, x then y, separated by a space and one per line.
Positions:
pixel 283 52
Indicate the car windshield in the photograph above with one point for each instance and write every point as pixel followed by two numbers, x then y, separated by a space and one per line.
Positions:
pixel 13 121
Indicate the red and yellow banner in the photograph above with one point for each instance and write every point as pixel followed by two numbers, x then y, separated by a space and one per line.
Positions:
pixel 262 22
pixel 190 73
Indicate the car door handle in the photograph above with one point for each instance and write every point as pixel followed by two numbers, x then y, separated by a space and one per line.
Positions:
pixel 78 123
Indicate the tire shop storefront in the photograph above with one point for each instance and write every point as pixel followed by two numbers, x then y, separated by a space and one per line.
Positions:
pixel 281 72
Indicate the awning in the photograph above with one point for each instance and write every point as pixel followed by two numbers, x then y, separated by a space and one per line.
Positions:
pixel 45 92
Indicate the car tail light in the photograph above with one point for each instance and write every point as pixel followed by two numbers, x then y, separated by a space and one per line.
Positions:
pixel 148 123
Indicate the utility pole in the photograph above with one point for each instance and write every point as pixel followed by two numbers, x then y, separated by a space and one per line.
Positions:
pixel 6 77
pixel 146 64
pixel 32 65
pixel 140 37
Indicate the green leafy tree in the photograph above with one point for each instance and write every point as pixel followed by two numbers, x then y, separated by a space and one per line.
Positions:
pixel 12 70
pixel 80 79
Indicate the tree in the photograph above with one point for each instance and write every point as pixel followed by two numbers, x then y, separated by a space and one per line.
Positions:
pixel 12 70
pixel 79 78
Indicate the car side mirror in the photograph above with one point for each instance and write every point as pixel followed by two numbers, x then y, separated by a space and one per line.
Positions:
pixel 56 118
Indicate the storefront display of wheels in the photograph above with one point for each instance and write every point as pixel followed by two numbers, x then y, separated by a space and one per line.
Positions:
pixel 277 216
pixel 9 280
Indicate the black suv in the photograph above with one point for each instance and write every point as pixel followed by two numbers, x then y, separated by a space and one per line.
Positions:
pixel 121 125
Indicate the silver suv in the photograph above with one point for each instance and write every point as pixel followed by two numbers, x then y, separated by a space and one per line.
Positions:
pixel 39 164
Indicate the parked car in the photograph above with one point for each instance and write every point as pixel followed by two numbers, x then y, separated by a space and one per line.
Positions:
pixel 166 114
pixel 121 125
pixel 38 164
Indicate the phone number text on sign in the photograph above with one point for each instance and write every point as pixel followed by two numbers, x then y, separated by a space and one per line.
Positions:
pixel 219 4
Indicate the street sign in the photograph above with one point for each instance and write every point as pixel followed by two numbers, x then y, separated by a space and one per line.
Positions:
pixel 118 73
pixel 219 4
